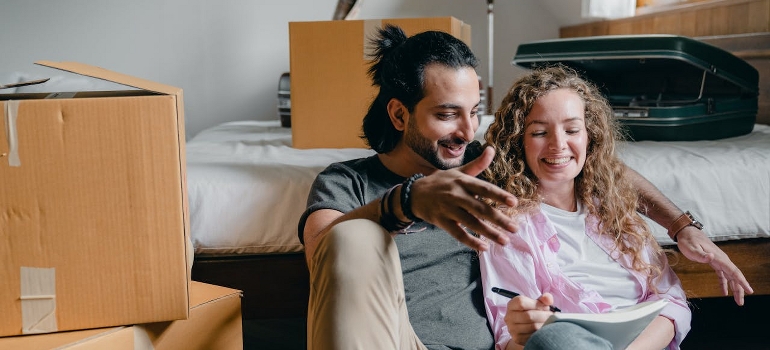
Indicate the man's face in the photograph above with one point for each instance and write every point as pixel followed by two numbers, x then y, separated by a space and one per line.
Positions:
pixel 445 120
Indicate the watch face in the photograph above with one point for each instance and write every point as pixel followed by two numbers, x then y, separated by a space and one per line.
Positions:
pixel 697 224
pixel 695 221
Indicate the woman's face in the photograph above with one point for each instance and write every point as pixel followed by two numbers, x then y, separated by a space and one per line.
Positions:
pixel 555 139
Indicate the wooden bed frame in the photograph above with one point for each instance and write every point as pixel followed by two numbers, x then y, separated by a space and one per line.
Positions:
pixel 276 286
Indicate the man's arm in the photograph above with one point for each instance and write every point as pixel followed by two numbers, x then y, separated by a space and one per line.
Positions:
pixel 692 242
pixel 447 199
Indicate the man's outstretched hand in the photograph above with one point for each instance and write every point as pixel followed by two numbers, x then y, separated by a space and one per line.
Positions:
pixel 450 199
pixel 696 246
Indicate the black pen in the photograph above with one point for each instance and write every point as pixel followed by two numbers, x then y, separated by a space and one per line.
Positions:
pixel 508 294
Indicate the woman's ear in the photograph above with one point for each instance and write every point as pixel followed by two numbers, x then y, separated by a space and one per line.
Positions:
pixel 396 111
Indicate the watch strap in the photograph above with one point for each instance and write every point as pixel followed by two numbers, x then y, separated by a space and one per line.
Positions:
pixel 681 222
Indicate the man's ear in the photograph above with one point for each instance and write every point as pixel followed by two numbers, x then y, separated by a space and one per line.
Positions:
pixel 397 111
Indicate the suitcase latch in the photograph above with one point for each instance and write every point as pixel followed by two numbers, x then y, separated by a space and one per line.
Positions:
pixel 630 113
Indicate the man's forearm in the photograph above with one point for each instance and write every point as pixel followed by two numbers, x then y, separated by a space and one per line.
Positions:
pixel 652 203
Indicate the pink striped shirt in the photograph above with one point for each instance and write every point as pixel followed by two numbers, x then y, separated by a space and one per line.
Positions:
pixel 528 265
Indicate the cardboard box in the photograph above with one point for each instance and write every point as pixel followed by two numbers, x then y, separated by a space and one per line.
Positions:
pixel 93 207
pixel 330 89
pixel 214 323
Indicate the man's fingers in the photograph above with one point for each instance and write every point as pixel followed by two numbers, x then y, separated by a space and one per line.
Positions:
pixel 476 166
pixel 722 282
pixel 460 234
pixel 480 210
pixel 738 292
pixel 482 188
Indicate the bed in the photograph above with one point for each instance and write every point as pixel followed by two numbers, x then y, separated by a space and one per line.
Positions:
pixel 248 187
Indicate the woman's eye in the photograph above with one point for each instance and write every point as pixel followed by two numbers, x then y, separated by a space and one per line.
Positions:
pixel 573 131
pixel 538 133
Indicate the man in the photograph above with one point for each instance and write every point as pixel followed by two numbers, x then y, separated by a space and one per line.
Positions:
pixel 391 252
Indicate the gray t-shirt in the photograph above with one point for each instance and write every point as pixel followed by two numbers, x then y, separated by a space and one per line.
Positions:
pixel 441 275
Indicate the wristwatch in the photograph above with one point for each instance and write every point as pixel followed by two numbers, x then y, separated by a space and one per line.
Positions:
pixel 686 219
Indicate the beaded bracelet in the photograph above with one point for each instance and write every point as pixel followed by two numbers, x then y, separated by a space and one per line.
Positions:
pixel 406 199
pixel 387 219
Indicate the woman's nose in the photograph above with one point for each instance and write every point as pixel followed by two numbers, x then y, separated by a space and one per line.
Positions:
pixel 557 141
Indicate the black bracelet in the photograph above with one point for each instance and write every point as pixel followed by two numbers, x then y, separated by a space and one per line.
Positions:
pixel 406 199
pixel 388 220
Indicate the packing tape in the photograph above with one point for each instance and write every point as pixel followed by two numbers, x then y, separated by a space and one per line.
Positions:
pixel 61 95
pixel 38 300
pixel 11 111
pixel 370 31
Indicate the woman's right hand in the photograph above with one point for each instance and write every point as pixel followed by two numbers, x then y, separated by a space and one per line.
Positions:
pixel 524 316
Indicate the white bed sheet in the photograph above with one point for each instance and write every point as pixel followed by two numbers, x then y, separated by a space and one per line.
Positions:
pixel 248 187
pixel 724 183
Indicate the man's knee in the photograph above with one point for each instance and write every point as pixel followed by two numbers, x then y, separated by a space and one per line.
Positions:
pixel 359 234
pixel 355 247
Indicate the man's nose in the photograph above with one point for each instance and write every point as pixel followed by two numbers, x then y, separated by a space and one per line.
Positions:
pixel 467 127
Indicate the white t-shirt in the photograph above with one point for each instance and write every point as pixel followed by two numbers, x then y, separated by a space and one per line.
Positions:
pixel 586 263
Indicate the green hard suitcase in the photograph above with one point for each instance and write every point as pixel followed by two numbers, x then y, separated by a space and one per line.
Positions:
pixel 661 87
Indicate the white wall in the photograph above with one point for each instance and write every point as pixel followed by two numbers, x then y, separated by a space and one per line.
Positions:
pixel 227 55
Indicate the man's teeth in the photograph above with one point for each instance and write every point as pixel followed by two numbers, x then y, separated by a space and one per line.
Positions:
pixel 556 160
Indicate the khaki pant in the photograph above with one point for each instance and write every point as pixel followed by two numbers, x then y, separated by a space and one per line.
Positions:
pixel 357 291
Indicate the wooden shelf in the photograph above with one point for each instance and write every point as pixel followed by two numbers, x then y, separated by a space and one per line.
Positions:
pixel 694 19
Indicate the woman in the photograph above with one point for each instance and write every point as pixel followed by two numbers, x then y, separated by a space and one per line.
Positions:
pixel 581 244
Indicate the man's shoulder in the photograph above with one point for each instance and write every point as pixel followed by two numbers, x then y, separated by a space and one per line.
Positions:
pixel 353 166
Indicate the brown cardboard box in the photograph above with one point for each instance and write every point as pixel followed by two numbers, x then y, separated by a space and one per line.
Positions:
pixel 330 90
pixel 214 323
pixel 93 207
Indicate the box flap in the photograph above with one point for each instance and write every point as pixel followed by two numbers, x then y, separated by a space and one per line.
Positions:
pixel 24 83
pixel 104 74
pixel 202 293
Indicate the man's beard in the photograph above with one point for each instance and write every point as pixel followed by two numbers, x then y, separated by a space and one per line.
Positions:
pixel 427 150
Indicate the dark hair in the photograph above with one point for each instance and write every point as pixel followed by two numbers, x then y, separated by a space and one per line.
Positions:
pixel 398 69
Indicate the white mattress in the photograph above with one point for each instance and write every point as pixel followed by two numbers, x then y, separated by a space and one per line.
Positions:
pixel 725 183
pixel 248 187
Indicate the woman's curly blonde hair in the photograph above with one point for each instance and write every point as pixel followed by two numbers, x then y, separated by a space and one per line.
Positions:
pixel 602 186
